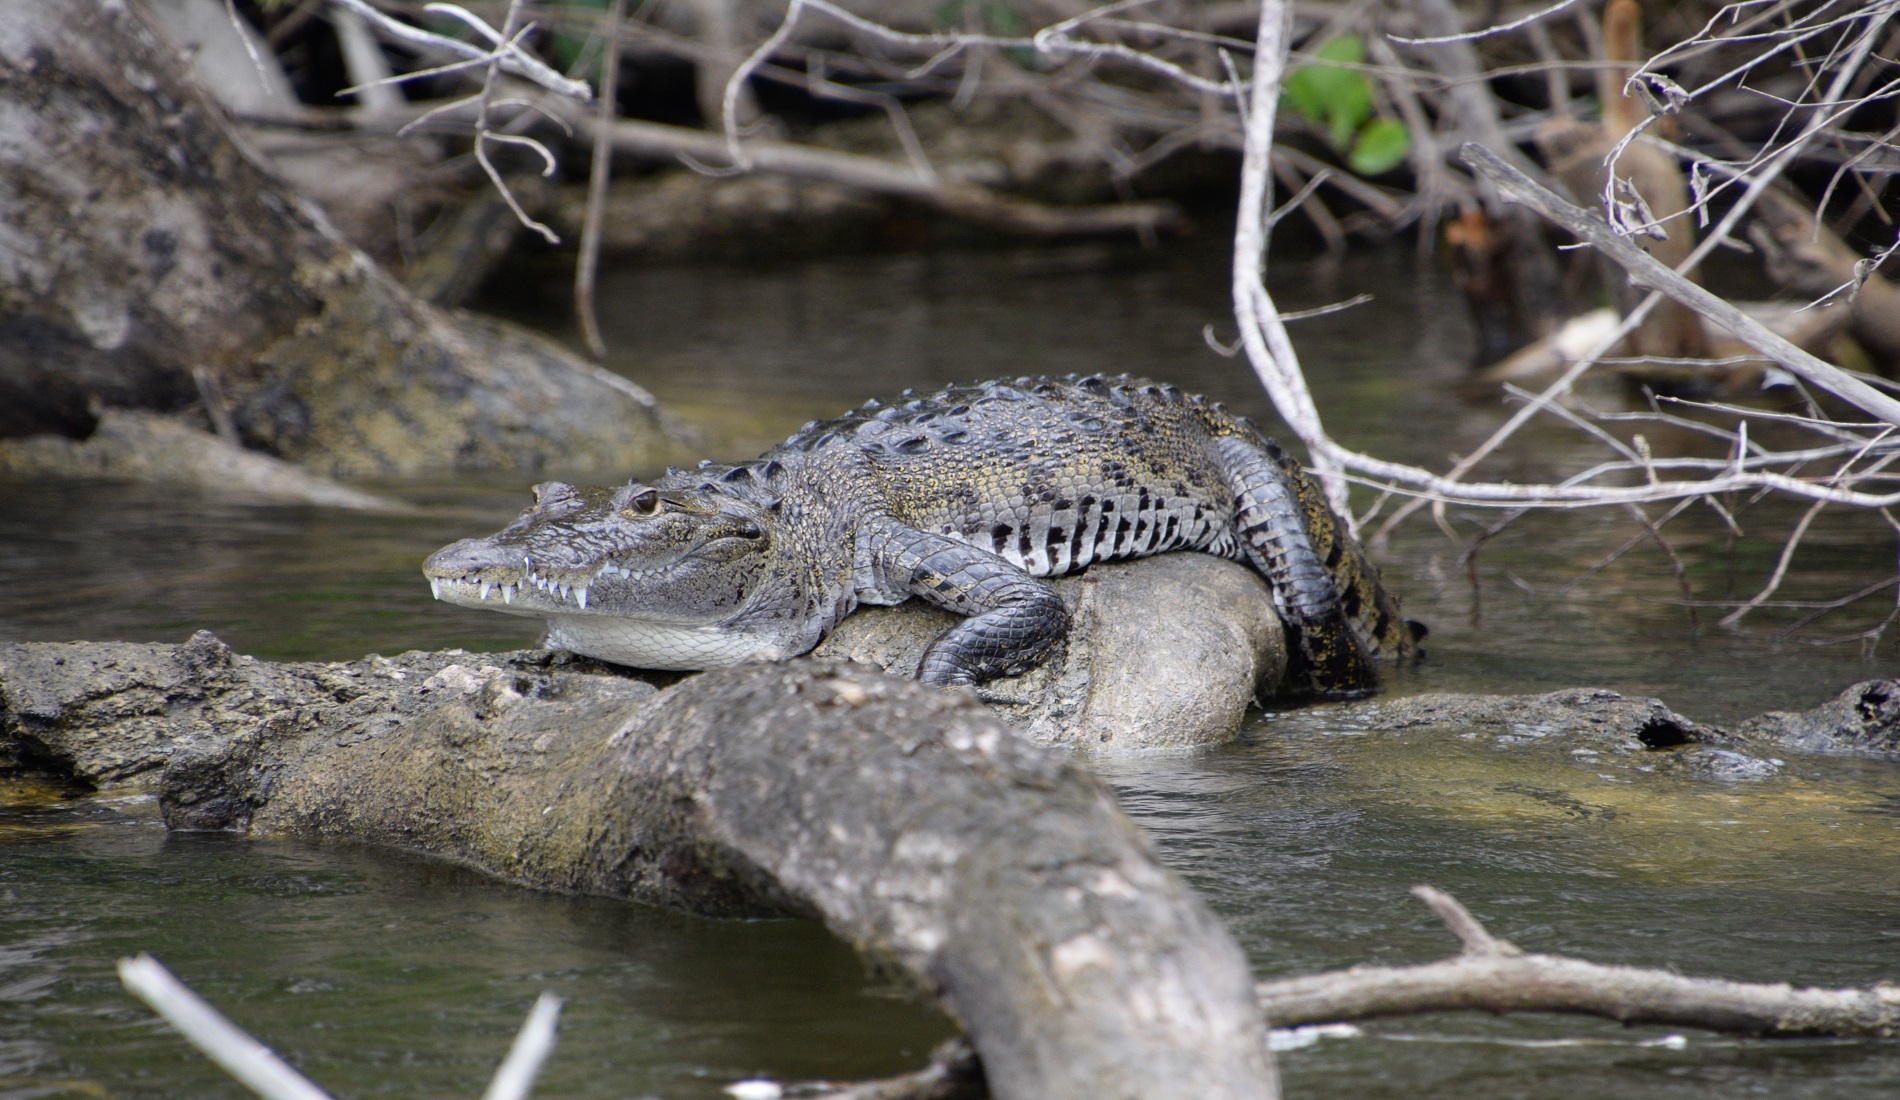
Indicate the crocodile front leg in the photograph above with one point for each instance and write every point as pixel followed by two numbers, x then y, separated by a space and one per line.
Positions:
pixel 1013 618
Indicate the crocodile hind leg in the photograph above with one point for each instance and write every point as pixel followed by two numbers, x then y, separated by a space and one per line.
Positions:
pixel 1013 618
pixel 1274 502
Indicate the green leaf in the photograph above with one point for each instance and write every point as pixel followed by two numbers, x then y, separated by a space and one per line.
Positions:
pixel 1379 148
pixel 1340 98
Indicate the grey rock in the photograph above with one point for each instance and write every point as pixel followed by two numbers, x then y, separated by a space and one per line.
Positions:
pixel 1165 653
pixel 1606 728
pixel 1863 719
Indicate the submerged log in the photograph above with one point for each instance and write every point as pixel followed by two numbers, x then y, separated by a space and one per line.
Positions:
pixel 145 242
pixel 149 447
pixel 997 874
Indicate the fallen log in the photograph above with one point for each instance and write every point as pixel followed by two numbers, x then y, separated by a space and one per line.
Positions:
pixel 994 873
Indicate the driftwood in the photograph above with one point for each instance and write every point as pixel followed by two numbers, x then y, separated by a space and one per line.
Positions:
pixel 1492 975
pixel 996 874
pixel 1113 686
pixel 148 244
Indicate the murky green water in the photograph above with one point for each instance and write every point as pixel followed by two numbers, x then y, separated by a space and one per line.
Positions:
pixel 383 975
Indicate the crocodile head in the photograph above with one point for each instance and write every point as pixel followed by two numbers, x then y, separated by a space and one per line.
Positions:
pixel 639 575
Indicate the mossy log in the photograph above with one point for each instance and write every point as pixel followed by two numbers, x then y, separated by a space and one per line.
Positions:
pixel 995 873
pixel 145 242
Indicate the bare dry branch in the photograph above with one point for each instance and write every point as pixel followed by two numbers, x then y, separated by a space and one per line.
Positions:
pixel 235 1051
pixel 1647 272
pixel 512 58
pixel 1490 975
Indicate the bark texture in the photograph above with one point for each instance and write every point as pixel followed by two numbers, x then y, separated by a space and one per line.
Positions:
pixel 142 241
pixel 998 874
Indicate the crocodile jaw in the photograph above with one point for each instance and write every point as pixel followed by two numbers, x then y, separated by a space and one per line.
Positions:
pixel 640 643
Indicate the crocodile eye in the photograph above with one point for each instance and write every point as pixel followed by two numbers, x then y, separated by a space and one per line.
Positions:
pixel 552 492
pixel 646 502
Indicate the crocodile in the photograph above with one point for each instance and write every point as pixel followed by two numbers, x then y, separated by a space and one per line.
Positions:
pixel 963 498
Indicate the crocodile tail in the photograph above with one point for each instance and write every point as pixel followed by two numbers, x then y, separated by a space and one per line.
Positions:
pixel 1328 658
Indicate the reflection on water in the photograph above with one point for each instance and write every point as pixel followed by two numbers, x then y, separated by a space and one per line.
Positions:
pixel 384 975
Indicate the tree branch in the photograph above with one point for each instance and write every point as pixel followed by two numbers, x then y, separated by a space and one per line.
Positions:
pixel 962 200
pixel 1490 975
pixel 1646 271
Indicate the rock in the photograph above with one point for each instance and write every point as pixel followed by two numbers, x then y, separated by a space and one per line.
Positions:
pixel 1603 719
pixel 151 258
pixel 1638 731
pixel 1863 719
pixel 1165 653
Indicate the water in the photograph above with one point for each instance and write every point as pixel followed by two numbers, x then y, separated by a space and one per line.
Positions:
pixel 382 974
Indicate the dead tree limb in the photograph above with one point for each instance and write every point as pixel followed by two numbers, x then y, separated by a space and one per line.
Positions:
pixel 1493 975
pixel 967 201
pixel 1646 271
pixel 996 874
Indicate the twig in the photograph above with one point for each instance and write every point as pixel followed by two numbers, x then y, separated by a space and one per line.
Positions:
pixel 1501 28
pixel 1491 975
pixel 963 200
pixel 259 1068
pixel 512 58
pixel 241 1056
pixel 535 1041
pixel 1646 271
pixel 485 134
pixel 599 172
pixel 1269 349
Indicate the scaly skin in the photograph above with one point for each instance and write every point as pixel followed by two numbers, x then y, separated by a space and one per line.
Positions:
pixel 964 498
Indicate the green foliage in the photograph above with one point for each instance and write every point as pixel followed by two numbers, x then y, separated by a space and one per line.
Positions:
pixel 1340 99
pixel 1379 147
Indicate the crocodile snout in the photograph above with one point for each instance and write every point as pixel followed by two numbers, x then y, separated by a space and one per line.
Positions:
pixel 471 557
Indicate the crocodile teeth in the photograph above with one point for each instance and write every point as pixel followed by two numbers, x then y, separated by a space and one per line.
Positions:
pixel 435 587
pixel 580 594
pixel 486 585
pixel 507 593
pixel 564 589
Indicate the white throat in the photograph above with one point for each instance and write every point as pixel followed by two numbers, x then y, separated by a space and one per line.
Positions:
pixel 641 644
